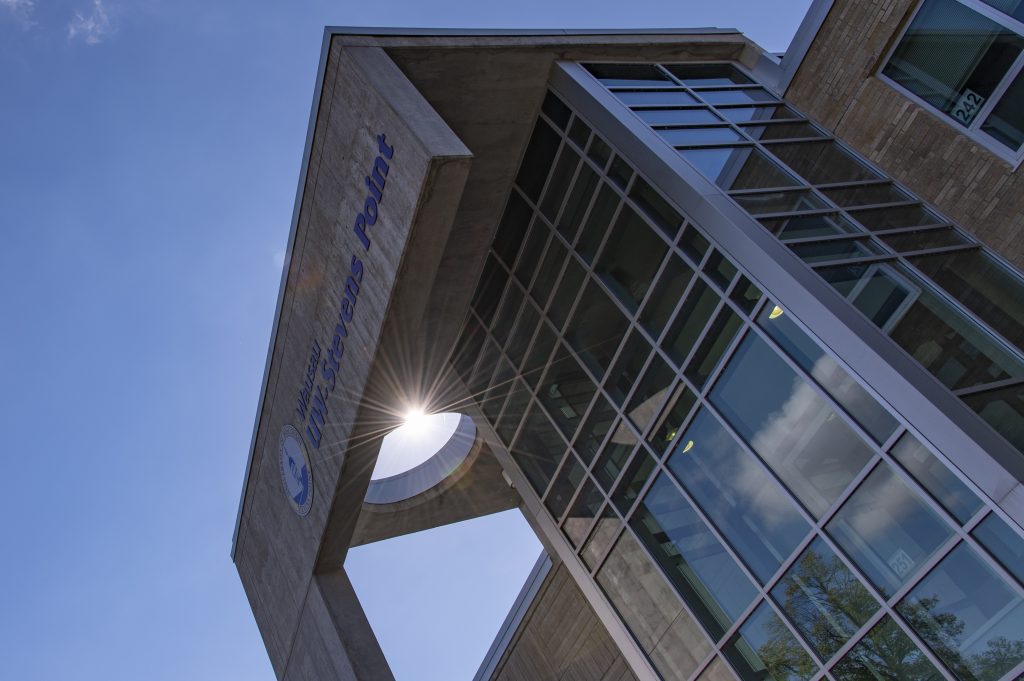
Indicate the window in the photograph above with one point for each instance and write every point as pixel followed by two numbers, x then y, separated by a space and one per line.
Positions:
pixel 964 58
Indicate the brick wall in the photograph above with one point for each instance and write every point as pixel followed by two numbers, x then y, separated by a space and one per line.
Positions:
pixel 836 85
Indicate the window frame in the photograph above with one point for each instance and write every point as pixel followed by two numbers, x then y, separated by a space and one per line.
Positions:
pixel 1014 157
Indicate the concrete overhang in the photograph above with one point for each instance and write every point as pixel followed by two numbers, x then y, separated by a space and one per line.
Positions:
pixel 469 99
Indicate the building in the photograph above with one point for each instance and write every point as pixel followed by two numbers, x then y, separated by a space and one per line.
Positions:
pixel 740 334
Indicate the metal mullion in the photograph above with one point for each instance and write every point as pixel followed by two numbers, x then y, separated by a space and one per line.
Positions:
pixel 867 260
pixel 727 354
pixel 705 663
pixel 665 107
pixel 628 513
pixel 700 337
pixel 879 206
pixel 600 560
pixel 769 190
pixel 791 140
pixel 572 182
pixel 995 98
pixel 573 498
pixel 655 86
pixel 828 210
pixel 690 126
pixel 810 652
pixel 731 86
pixel 930 251
pixel 562 464
pixel 849 184
pixel 828 238
pixel 904 230
pixel 985 387
pixel 1015 673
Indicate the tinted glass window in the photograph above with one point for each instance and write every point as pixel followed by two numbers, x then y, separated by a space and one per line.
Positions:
pixel 765 649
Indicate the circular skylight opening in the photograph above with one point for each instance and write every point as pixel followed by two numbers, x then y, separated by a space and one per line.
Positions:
pixel 419 455
pixel 412 443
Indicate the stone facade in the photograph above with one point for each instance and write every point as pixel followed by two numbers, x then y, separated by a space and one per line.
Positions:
pixel 837 85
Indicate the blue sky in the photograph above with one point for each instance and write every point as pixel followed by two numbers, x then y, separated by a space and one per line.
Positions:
pixel 149 153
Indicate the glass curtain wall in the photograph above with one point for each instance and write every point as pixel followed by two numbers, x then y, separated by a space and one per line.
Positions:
pixel 925 282
pixel 746 507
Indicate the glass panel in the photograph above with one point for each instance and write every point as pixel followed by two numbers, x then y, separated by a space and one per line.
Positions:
pixel 558 112
pixel 827 373
pixel 1006 122
pixel 739 168
pixel 566 391
pixel 519 401
pixel 599 152
pixel 717 671
pixel 739 497
pixel 942 339
pixel 558 184
pixel 581 516
pixel 630 258
pixel 789 425
pixel 744 114
pixel 529 318
pixel 698 75
pixel 507 314
pixel 740 96
pixel 538 450
pixel 647 606
pixel 548 273
pixel 467 350
pixel 713 347
pixel 1014 8
pixel 764 648
pixel 985 287
pixel 605 530
pixel 779 202
pixel 692 558
pixel 655 97
pixel 596 329
pixel 656 208
pixel 666 294
pixel 692 318
pixel 953 58
pixel 529 258
pixel 822 162
pixel 1003 409
pixel 512 230
pixel 594 429
pixel 540 154
pixel 825 251
pixel 600 217
pixel 672 418
pixel 676 116
pixel 746 295
pixel 919 241
pixel 685 137
pixel 632 482
pixel 996 535
pixel 612 75
pixel 720 269
pixel 537 358
pixel 782 131
pixel 619 172
pixel 625 373
pixel 895 217
pixel 565 293
pixel 565 485
pixel 693 244
pixel 578 202
pixel 579 133
pixel 823 599
pixel 887 530
pixel 885 654
pixel 970 618
pixel 650 394
pixel 805 226
pixel 501 383
pixel 935 477
pixel 489 289
pixel 614 456
pixel 866 195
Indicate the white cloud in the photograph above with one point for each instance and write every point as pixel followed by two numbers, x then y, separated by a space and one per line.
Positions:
pixel 91 28
pixel 21 10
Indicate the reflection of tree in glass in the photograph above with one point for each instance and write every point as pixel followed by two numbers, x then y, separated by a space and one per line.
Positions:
pixel 942 632
pixel 782 655
pixel 885 654
pixel 825 601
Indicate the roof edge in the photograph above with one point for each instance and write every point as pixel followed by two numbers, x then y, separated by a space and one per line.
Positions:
pixel 392 31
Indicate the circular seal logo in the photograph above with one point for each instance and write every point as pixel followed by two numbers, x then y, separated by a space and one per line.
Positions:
pixel 296 475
